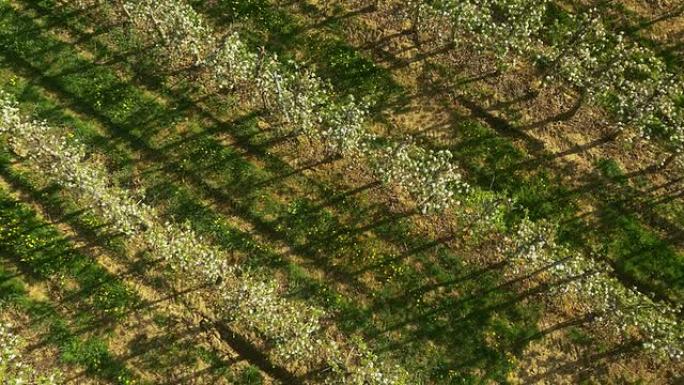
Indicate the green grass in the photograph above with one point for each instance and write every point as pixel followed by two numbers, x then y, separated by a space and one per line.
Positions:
pixel 216 173
pixel 41 253
pixel 630 241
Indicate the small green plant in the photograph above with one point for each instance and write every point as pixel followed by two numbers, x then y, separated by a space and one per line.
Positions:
pixel 251 376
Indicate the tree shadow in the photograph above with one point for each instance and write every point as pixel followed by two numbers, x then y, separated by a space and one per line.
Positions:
pixel 589 362
pixel 335 18
pixel 46 265
pixel 576 149
pixel 643 243
pixel 560 117
pixel 532 145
